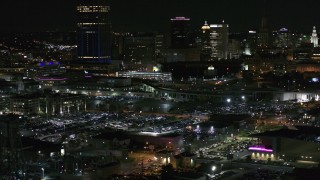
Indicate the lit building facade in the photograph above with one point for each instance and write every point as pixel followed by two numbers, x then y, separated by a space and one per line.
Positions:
pixel 117 45
pixel 205 42
pixel 251 43
pixel 93 31
pixel 159 76
pixel 283 38
pixel 50 104
pixel 300 144
pixel 314 38
pixel 316 54
pixel 139 48
pixel 219 37
pixel 24 105
pixel 159 44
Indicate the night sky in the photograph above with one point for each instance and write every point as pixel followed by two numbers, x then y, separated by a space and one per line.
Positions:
pixel 154 15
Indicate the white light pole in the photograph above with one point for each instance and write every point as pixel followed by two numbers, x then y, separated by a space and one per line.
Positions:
pixel 42 173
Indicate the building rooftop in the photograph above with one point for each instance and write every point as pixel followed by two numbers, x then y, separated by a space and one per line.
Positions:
pixel 40 145
pixel 164 151
pixel 110 135
pixel 306 133
pixel 185 154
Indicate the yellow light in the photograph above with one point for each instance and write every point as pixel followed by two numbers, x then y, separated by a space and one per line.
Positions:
pixel 155 69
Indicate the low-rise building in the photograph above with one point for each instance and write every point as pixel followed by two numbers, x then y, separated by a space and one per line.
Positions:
pixel 299 144
pixel 25 104
pixel 184 160
pixel 50 104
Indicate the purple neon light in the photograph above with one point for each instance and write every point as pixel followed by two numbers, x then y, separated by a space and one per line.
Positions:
pixel 259 148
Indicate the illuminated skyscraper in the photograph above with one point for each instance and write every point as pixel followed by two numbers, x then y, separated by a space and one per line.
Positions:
pixel 314 38
pixel 139 48
pixel 282 38
pixel 94 31
pixel 205 42
pixel 219 37
pixel 251 43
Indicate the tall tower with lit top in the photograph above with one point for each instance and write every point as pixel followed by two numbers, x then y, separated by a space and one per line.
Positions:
pixel 205 42
pixel 219 38
pixel 314 37
pixel 93 31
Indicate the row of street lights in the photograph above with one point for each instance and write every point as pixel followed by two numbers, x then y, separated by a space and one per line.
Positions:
pixel 229 99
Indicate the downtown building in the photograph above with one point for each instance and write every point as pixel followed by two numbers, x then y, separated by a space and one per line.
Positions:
pixel 214 42
pixel 283 39
pixel 314 37
pixel 93 32
pixel 205 43
pixel 180 32
pixel 139 51
pixel 251 43
pixel 49 104
pixel 264 35
pixel 219 38
pixel 299 144
pixel 182 42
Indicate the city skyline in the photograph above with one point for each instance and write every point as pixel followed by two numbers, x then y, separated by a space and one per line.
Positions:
pixel 159 89
pixel 36 15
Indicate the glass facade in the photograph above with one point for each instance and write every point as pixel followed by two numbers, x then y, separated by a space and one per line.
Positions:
pixel 94 31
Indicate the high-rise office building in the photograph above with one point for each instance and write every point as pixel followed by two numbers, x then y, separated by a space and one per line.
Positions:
pixel 159 44
pixel 234 49
pixel 139 48
pixel 117 45
pixel 219 37
pixel 264 35
pixel 282 39
pixel 205 43
pixel 94 31
pixel 251 43
pixel 180 32
pixel 314 38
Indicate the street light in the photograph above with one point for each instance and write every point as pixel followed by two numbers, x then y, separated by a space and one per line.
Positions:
pixel 42 173
pixel 213 168
pixel 228 100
